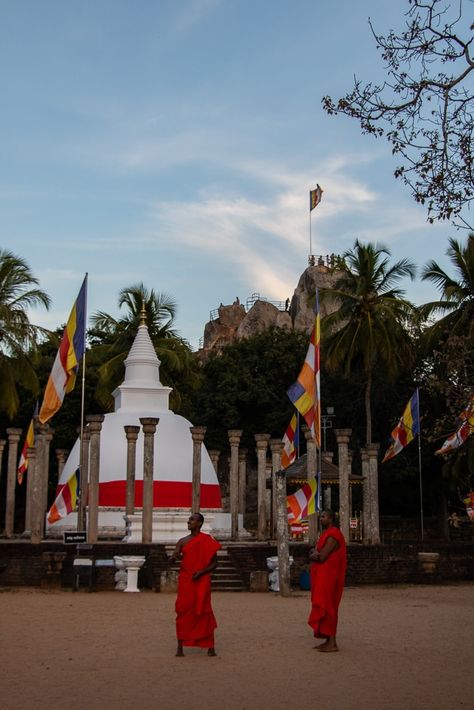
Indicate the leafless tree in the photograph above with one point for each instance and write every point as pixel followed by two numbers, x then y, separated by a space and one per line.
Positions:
pixel 425 107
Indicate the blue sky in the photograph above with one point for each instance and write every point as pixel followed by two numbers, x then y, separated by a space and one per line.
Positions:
pixel 174 142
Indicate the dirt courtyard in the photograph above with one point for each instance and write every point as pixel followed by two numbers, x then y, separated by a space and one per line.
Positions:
pixel 404 647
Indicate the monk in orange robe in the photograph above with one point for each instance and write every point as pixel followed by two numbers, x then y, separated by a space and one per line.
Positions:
pixel 328 571
pixel 195 620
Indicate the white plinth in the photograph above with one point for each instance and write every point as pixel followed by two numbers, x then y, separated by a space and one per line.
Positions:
pixel 131 564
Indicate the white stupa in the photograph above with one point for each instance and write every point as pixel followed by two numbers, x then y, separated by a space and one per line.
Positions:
pixel 142 395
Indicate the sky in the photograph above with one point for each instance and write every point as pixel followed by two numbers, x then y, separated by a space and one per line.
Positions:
pixel 174 143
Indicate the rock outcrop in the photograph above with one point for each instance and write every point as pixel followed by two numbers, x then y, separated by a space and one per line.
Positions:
pixel 234 322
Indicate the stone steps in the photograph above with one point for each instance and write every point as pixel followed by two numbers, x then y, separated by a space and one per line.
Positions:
pixel 225 578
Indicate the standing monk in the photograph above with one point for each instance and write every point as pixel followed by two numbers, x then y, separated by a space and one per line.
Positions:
pixel 328 572
pixel 195 620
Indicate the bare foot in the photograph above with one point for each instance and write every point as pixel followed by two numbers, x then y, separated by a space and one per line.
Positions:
pixel 211 652
pixel 179 650
pixel 321 645
pixel 328 648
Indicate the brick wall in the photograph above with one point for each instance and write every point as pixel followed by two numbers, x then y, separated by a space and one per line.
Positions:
pixel 22 564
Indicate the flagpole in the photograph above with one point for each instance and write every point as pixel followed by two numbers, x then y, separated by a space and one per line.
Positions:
pixel 419 466
pixel 310 237
pixel 81 508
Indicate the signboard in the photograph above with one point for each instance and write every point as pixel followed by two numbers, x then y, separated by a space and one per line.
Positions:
pixel 353 523
pixel 74 538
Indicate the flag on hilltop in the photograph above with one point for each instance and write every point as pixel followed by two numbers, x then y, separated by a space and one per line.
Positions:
pixel 66 500
pixel 463 432
pixel 29 442
pixel 303 502
pixel 305 392
pixel 407 428
pixel 71 349
pixel 315 197
pixel 290 443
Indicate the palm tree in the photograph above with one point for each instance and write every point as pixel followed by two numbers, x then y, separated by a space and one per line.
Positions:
pixel 457 292
pixel 117 335
pixel 18 337
pixel 369 329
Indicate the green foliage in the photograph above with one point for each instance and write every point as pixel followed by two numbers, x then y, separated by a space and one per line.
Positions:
pixel 369 329
pixel 18 337
pixel 245 387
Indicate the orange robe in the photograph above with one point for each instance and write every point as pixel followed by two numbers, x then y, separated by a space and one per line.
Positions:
pixel 195 620
pixel 327 584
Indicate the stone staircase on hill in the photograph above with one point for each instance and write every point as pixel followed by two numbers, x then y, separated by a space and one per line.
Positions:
pixel 225 578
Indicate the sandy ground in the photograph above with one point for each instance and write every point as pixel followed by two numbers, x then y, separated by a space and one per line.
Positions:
pixel 404 647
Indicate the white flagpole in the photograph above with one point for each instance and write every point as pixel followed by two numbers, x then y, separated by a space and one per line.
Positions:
pixel 81 507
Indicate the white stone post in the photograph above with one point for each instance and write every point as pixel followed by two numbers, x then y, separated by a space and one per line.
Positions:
pixel 342 438
pixel 366 512
pixel 234 441
pixel 84 443
pixel 13 439
pixel 198 433
pixel 149 425
pixel 276 446
pixel 372 450
pixel 95 426
pixel 282 533
pixel 262 444
pixel 242 480
pixel 131 433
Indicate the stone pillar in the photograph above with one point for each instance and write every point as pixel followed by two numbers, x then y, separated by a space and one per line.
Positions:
pixel 242 480
pixel 35 482
pixel 372 450
pixel 13 439
pixel 234 441
pixel 48 437
pixel 311 472
pixel 276 446
pixel 95 426
pixel 83 478
pixel 214 455
pixel 131 432
pixel 198 433
pixel 149 427
pixel 366 513
pixel 38 490
pixel 282 533
pixel 61 457
pixel 262 443
pixel 342 438
pixel 2 446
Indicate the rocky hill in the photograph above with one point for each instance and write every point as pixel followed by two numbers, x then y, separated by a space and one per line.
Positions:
pixel 236 321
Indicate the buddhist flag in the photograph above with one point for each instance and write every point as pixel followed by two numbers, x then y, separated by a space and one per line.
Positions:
pixel 302 503
pixel 71 349
pixel 463 432
pixel 66 500
pixel 315 197
pixel 29 442
pixel 407 428
pixel 290 443
pixel 305 392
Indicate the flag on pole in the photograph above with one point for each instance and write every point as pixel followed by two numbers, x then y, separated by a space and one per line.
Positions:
pixel 66 500
pixel 71 349
pixel 302 503
pixel 29 442
pixel 315 197
pixel 290 442
pixel 407 428
pixel 305 392
pixel 465 429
